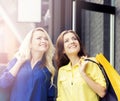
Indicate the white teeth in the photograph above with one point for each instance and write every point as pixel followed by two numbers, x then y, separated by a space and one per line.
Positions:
pixel 73 46
pixel 42 44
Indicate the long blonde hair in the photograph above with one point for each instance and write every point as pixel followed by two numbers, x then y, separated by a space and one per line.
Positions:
pixel 48 56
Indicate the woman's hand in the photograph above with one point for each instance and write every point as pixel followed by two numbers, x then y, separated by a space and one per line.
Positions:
pixel 83 66
pixel 22 58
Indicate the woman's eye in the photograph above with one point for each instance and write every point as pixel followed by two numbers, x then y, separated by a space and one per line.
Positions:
pixel 42 38
pixel 74 38
pixel 66 41
pixel 39 38
pixel 46 39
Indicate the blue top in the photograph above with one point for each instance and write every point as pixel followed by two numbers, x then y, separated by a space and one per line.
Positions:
pixel 29 84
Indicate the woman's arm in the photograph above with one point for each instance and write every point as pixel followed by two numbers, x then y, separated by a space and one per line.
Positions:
pixel 14 70
pixel 8 76
pixel 20 60
pixel 100 90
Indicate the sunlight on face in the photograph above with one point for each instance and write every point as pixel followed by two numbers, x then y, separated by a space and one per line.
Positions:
pixel 39 41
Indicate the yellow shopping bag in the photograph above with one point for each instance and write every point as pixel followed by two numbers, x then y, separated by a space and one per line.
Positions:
pixel 112 74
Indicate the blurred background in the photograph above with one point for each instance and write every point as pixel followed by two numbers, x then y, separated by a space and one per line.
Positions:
pixel 13 30
pixel 97 22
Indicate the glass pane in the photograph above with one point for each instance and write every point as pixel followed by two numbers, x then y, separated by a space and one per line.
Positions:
pixel 92 27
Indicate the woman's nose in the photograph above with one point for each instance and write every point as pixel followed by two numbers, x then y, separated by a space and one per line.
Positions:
pixel 71 41
pixel 43 40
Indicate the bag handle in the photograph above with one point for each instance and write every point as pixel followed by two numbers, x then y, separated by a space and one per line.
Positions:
pixel 102 69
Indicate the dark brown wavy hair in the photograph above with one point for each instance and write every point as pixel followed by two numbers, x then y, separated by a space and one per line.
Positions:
pixel 61 58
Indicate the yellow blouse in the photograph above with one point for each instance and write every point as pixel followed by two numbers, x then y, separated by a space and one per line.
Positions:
pixel 71 85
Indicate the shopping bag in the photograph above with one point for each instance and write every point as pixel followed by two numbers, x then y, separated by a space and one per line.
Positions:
pixel 110 94
pixel 113 77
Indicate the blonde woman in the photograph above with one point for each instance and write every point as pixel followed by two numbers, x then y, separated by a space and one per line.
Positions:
pixel 30 73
